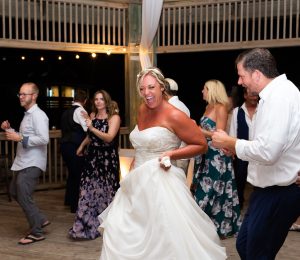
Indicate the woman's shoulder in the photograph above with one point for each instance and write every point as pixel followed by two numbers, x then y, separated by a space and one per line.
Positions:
pixel 173 111
pixel 221 108
pixel 114 117
pixel 175 118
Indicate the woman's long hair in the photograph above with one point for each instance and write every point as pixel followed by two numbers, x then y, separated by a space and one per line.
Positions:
pixel 216 92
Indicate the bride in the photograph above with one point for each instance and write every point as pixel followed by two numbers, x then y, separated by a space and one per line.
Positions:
pixel 153 215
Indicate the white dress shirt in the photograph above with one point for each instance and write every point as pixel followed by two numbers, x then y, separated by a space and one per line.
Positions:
pixel 179 104
pixel 33 150
pixel 249 121
pixel 274 152
pixel 77 116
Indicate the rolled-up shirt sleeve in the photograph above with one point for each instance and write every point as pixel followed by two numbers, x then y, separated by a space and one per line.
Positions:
pixel 79 118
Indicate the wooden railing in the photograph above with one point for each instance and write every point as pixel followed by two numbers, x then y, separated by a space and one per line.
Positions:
pixel 228 24
pixel 74 23
pixel 101 26
pixel 56 173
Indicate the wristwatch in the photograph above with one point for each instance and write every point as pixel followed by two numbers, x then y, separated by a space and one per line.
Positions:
pixel 22 138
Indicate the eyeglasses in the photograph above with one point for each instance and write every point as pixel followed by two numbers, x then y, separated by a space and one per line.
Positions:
pixel 24 94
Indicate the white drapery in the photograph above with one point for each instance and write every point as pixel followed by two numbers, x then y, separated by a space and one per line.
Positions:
pixel 151 11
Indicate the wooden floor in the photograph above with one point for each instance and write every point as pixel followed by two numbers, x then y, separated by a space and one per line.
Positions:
pixel 57 244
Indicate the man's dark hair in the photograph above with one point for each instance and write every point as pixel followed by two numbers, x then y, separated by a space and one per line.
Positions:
pixel 80 95
pixel 258 59
pixel 237 96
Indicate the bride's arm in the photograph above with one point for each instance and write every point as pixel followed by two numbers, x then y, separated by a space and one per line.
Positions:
pixel 187 130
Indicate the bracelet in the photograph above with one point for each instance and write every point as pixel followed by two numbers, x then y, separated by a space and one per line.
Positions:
pixel 22 138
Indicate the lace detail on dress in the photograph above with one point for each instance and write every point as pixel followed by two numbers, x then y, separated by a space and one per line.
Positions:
pixel 150 143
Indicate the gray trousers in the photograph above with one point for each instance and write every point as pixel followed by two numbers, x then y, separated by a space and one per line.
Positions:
pixel 22 187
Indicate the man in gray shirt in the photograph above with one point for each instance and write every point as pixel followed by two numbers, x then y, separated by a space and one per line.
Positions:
pixel 30 160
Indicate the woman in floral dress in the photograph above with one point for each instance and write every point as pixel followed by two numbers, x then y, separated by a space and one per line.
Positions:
pixel 213 186
pixel 100 177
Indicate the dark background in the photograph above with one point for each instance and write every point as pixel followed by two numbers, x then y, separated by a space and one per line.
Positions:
pixel 103 72
pixel 190 70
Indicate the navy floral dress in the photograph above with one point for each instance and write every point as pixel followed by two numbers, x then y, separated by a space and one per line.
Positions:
pixel 98 185
pixel 214 187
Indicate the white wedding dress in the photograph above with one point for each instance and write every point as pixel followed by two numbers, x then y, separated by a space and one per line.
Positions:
pixel 153 215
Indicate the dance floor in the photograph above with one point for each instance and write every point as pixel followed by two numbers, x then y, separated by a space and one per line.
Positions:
pixel 57 244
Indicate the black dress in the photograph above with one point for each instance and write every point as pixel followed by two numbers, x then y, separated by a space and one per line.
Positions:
pixel 99 183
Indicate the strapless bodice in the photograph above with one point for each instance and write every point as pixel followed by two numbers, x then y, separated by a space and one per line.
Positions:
pixel 150 143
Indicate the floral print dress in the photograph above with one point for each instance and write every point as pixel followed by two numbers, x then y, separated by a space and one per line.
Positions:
pixel 98 185
pixel 214 187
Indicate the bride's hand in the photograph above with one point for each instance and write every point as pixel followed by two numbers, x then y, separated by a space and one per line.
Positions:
pixel 165 161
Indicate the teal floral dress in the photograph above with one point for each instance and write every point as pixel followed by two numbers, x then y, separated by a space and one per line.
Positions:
pixel 214 187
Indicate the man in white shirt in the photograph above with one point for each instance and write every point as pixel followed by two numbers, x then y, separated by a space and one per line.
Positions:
pixel 171 91
pixel 30 160
pixel 241 126
pixel 273 156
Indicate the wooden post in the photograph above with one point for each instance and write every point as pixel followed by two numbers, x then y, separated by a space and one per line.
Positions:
pixel 132 64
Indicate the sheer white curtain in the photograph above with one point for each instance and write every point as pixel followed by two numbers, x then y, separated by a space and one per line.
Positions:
pixel 151 11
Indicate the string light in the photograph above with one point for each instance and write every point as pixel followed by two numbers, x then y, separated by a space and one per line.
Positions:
pixel 94 55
